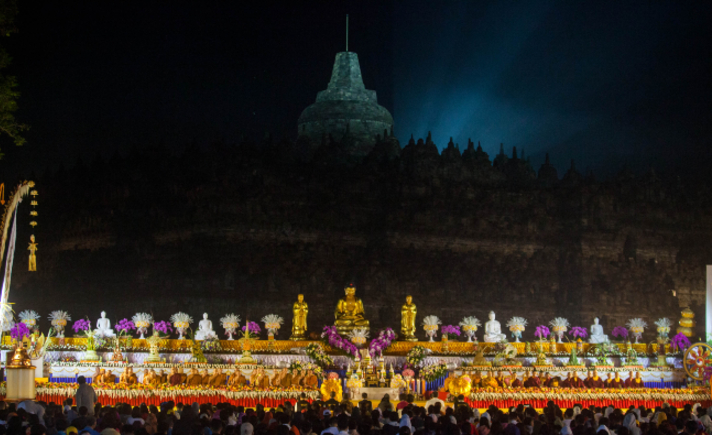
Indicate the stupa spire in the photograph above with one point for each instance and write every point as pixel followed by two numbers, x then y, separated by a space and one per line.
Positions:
pixel 346 101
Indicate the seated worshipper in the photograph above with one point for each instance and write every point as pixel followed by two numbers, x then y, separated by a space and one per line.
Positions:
pixel 588 380
pixel 332 402
pixel 533 381
pixel 162 377
pixel 286 380
pixel 635 382
pixel 175 377
pixel 365 405
pixel 552 382
pixel 607 382
pixel 617 382
pixel 204 378
pixel 128 377
pixel 631 379
pixel 148 377
pixel 258 378
pixel 194 378
pixel 218 378
pixel 512 381
pixel 297 378
pixel 500 379
pixel 575 381
pixel 596 382
pixel 183 376
pixel 311 381
pixel 237 379
pixel 303 403
pixel 108 378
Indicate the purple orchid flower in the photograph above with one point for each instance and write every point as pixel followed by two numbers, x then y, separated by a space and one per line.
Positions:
pixel 125 325
pixel 163 327
pixel 81 325
pixel 254 328
pixel 578 331
pixel 19 331
pixel 542 331
pixel 450 330
pixel 680 342
pixel 620 332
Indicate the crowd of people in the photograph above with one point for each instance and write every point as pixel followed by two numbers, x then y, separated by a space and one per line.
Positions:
pixel 540 379
pixel 333 417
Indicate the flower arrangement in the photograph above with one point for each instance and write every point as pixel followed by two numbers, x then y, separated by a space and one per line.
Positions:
pixel 316 352
pixel 125 326
pixel 663 325
pixel 449 330
pixel 123 392
pixel 416 355
pixel 559 326
pixel 164 328
pixel 516 327
pixel 301 366
pixel 469 327
pixel 381 343
pixel 408 373
pixel 81 325
pixel 620 332
pixel 578 332
pixel 59 319
pixel 252 327
pixel 433 372
pixel 29 318
pixel 358 336
pixel 230 323
pixel 331 336
pixel 142 321
pixel 182 322
pixel 19 332
pixel 272 323
pixel 84 325
pixel 637 326
pixel 430 326
pixel 211 344
pixel 680 342
pixel 332 375
pixel 542 331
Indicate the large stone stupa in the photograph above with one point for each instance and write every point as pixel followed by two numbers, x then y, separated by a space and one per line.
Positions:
pixel 346 105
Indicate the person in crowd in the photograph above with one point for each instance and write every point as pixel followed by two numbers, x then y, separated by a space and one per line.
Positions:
pixel 85 396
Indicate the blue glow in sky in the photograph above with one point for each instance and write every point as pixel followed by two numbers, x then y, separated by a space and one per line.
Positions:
pixel 600 83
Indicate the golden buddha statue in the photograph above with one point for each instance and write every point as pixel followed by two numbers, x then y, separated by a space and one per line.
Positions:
pixel 408 312
pixel 349 312
pixel 299 321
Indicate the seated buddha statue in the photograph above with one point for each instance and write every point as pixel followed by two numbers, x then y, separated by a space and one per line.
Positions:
pixel 493 330
pixel 205 329
pixel 349 312
pixel 597 335
pixel 103 327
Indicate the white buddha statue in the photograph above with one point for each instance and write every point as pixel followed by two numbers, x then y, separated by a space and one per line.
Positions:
pixel 493 330
pixel 205 329
pixel 103 327
pixel 597 335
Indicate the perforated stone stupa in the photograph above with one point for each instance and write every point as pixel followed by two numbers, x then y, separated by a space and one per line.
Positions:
pixel 346 106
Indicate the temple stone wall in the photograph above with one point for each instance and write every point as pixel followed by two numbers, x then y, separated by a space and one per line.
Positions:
pixel 246 228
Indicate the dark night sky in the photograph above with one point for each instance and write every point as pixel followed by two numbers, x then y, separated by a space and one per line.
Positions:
pixel 602 82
